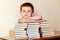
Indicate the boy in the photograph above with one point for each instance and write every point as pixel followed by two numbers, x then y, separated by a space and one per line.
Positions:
pixel 27 11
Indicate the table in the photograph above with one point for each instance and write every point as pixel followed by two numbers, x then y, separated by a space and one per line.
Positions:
pixel 57 37
pixel 44 38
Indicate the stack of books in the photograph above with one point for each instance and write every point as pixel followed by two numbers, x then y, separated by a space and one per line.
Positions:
pixel 20 31
pixel 32 30
pixel 47 28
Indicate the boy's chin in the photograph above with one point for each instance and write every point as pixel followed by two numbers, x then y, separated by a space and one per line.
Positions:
pixel 25 16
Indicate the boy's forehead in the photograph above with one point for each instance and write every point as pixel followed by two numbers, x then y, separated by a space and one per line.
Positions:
pixel 26 7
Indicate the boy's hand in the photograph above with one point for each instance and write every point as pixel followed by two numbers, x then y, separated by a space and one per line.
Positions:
pixel 26 20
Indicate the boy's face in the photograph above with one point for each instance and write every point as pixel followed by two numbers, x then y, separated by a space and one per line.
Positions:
pixel 26 12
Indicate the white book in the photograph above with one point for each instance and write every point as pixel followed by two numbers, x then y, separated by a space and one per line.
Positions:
pixel 20 31
pixel 33 30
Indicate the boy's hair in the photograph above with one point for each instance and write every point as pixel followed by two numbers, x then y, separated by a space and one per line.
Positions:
pixel 27 4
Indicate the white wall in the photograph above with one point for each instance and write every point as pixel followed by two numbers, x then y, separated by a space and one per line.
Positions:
pixel 9 13
pixel 8 16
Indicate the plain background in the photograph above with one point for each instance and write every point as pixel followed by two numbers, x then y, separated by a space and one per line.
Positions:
pixel 10 13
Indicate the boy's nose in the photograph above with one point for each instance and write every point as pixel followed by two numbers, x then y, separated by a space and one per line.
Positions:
pixel 26 12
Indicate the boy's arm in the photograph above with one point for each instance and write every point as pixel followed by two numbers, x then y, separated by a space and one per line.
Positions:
pixel 36 17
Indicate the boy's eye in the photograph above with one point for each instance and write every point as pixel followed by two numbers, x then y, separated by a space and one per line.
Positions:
pixel 23 11
pixel 28 11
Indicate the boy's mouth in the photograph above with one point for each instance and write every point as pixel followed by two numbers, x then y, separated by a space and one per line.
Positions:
pixel 26 15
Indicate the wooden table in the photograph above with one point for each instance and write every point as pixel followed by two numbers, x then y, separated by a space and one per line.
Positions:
pixel 3 39
pixel 44 38
pixel 49 38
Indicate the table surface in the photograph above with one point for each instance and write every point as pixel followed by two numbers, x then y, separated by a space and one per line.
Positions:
pixel 43 38
pixel 57 36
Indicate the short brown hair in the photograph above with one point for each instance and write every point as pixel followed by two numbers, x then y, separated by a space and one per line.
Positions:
pixel 27 4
